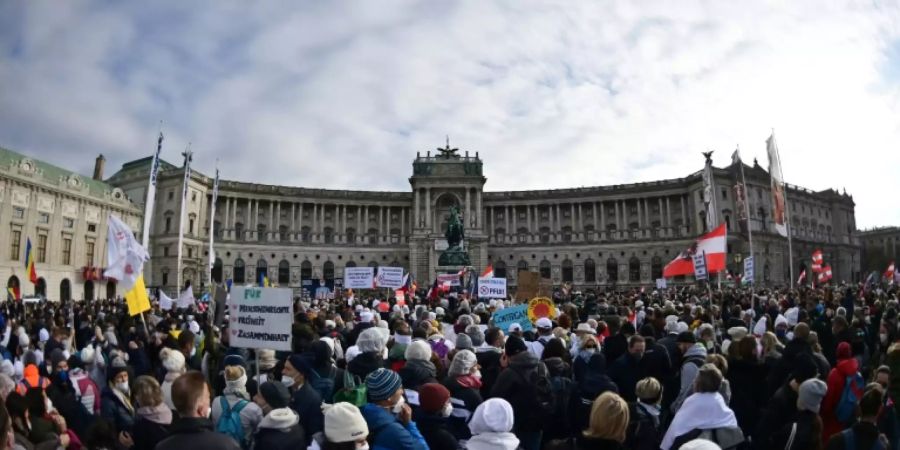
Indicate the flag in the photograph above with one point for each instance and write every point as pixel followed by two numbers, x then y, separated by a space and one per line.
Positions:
pixel 889 273
pixel 802 277
pixel 488 272
pixel 29 262
pixel 825 274
pixel 433 292
pixel 779 213
pixel 736 157
pixel 405 287
pixel 136 298
pixel 713 243
pixel 151 194
pixel 13 292
pixel 165 302
pixel 186 298
pixel 126 257
pixel 264 280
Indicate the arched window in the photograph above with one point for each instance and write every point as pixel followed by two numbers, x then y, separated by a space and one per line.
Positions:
pixel 216 272
pixel 568 275
pixel 522 265
pixel 545 269
pixel 351 235
pixel 239 231
pixel 284 273
pixel 262 269
pixel 567 234
pixel 500 235
pixel 328 271
pixel 304 234
pixel 656 268
pixel 110 289
pixel 192 218
pixel 634 269
pixel 239 275
pixel 590 271
pixel 612 270
pixel 328 234
pixel 65 290
pixel 283 233
pixel 500 269
pixel 261 232
pixel 350 263
pixel 373 236
pixel 40 288
pixel 306 270
pixel 522 234
pixel 545 235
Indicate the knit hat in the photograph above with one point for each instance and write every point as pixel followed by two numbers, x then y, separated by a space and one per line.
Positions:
pixel 56 357
pixel 7 368
pixel 844 351
pixel 301 362
pixel 433 397
pixel 804 368
pixel 810 396
pixel 43 335
pixel 275 394
pixel 87 354
pixel 233 360
pixel 686 337
pixel 172 360
pixel 266 359
pixel 494 415
pixel 370 340
pixel 737 333
pixel 700 444
pixel 464 342
pixel 418 350
pixel 382 384
pixel 515 345
pixel 475 335
pixel 344 423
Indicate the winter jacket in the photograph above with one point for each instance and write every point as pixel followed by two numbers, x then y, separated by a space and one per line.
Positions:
pixel 836 380
pixel 166 388
pixel 280 430
pixel 86 391
pixel 779 411
pixel 694 357
pixel 797 434
pixel 364 364
pixel 583 443
pixel 307 403
pixel 783 367
pixel 436 432
pixel 594 382
pixel 150 428
pixel 489 360
pixel 615 346
pixel 251 414
pixel 469 395
pixel 656 362
pixel 864 434
pixel 416 373
pixel 386 432
pixel 644 427
pixel 748 400
pixel 514 386
pixel 116 411
pixel 196 433
pixel 626 372
pixel 493 441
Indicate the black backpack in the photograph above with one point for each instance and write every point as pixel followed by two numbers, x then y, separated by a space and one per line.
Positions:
pixel 544 399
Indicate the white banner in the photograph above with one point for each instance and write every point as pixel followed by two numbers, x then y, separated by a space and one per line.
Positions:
pixel 660 283
pixel 492 287
pixel 359 277
pixel 389 277
pixel 165 302
pixel 186 298
pixel 261 318
pixel 699 266
pixel 748 269
pixel 451 279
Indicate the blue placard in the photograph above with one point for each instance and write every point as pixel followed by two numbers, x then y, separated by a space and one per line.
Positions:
pixel 513 314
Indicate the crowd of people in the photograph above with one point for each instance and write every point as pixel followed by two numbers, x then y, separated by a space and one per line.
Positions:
pixel 678 368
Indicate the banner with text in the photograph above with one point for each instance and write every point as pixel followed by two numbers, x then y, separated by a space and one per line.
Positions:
pixel 389 277
pixel 700 266
pixel 492 287
pixel 748 269
pixel 452 279
pixel 261 318
pixel 359 277
pixel 514 314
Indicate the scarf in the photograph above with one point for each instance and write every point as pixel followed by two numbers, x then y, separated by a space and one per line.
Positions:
pixel 124 399
pixel 469 381
pixel 237 387
pixel 160 413
pixel 704 410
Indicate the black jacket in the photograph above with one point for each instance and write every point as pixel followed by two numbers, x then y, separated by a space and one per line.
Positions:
pixel 797 434
pixel 615 346
pixel 583 443
pixel 644 430
pixel 146 434
pixel 307 403
pixel 783 367
pixel 470 396
pixel 196 434
pixel 513 385
pixel 593 383
pixel 656 362
pixel 779 411
pixel 436 432
pixel 626 372
pixel 490 370
pixel 365 363
pixel 280 439
pixel 748 393
pixel 864 433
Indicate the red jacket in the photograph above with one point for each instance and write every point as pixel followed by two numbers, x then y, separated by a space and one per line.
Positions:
pixel 836 380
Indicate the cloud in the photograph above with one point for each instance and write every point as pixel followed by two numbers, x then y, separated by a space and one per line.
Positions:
pixel 342 95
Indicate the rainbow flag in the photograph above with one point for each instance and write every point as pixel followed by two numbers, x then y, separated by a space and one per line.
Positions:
pixel 29 262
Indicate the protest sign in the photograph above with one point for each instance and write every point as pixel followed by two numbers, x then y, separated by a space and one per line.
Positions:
pixel 514 314
pixel 541 307
pixel 451 279
pixel 359 277
pixel 748 269
pixel 492 288
pixel 389 277
pixel 700 266
pixel 529 283
pixel 660 283
pixel 261 318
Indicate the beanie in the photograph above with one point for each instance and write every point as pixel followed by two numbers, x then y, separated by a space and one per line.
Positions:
pixel 344 423
pixel 275 394
pixel 810 396
pixel 433 397
pixel 172 360
pixel 233 360
pixel 700 444
pixel 382 384
pixel 418 350
pixel 515 345
pixel 464 342
pixel 844 351
pixel 56 357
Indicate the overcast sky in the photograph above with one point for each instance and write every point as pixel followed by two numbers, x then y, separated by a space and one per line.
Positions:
pixel 342 95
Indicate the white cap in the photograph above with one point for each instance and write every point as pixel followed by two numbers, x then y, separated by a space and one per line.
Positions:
pixel 544 322
pixel 515 327
pixel 366 316
pixel 439 311
pixel 344 423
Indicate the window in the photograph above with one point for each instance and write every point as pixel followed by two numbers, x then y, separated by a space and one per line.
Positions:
pixel 328 234
pixel 284 273
pixel 239 231
pixel 165 275
pixel 66 251
pixel 190 252
pixel 193 197
pixel 89 254
pixel 545 269
pixel 634 270
pixel 656 268
pixel 612 270
pixel 567 272
pixel 168 224
pixel 191 225
pixel 68 223
pixel 166 251
pixel 261 232
pixel 18 213
pixel 500 269
pixel 171 196
pixel 43 218
pixel 92 228
pixel 41 248
pixel 283 233
pixel 724 194
pixel 238 274
pixel 590 271
pixel 14 245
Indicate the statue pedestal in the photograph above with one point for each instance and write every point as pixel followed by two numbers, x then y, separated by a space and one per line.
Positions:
pixel 454 256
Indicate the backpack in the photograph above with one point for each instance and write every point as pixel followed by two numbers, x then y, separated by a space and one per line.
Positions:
pixel 850 441
pixel 353 392
pixel 846 406
pixel 323 385
pixel 543 389
pixel 230 421
pixel 562 388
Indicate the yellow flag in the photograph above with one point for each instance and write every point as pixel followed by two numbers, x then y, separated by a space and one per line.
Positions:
pixel 136 298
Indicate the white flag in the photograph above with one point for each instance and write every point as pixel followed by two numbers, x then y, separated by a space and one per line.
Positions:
pixel 186 298
pixel 165 302
pixel 125 256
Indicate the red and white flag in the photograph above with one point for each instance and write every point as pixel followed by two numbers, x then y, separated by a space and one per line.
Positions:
pixel 713 243
pixel 889 273
pixel 825 274
pixel 488 272
pixel 817 257
pixel 802 277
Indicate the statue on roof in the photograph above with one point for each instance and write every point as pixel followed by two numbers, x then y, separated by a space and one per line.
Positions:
pixel 447 152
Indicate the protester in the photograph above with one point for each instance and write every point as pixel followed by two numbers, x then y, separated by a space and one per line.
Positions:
pixel 517 385
pixel 847 367
pixel 280 427
pixel 434 409
pixel 192 429
pixel 704 411
pixel 173 362
pixel 345 428
pixel 492 425
pixel 388 416
pixel 418 369
pixel 305 400
pixel 694 356
pixel 608 424
pixel 235 403
pixel 153 417
pixel 805 429
pixel 864 433
pixel 645 426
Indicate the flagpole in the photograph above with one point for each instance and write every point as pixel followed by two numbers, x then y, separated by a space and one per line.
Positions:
pixel 749 224
pixel 184 191
pixel 212 228
pixel 787 212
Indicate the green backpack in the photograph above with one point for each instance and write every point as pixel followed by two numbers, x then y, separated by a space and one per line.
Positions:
pixel 353 392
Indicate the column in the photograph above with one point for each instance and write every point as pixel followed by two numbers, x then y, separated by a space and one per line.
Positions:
pixel 389 223
pixel 683 211
pixel 247 225
pixel 233 211
pixel 402 221
pixel 515 220
pixel 468 210
pixel 637 203
pixel 558 224
pixel 528 214
pixel 668 213
pixel 344 221
pixel 580 219
pixel 572 217
pixel 428 209
pixel 270 225
pixel 278 217
pixel 602 217
pixel 416 210
pixel 479 217
pixel 299 216
pixel 365 223
pixel 381 232
pixel 594 213
pixel 618 222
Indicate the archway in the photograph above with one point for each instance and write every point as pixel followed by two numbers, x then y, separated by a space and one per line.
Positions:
pixel 612 270
pixel 656 268
pixel 441 209
pixel 262 270
pixel 40 288
pixel 567 271
pixel 590 271
pixel 545 269
pixel 110 289
pixel 65 290
pixel 634 269
pixel 217 270
pixel 306 270
pixel 88 290
pixel 238 275
pixel 328 272
pixel 284 273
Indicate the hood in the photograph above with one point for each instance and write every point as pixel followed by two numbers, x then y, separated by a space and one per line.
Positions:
pixel 493 441
pixel 524 361
pixel 418 370
pixel 376 417
pixel 696 350
pixel 556 365
pixel 280 419
pixel 847 367
pixel 365 361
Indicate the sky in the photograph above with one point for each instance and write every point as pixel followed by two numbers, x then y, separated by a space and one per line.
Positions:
pixel 342 95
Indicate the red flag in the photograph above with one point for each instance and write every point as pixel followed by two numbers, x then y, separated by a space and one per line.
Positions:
pixel 713 243
pixel 825 274
pixel 889 273
pixel 817 257
pixel 802 277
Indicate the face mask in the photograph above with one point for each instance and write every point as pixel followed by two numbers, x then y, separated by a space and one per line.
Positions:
pixel 287 381
pixel 398 406
pixel 64 375
pixel 123 387
pixel 193 351
pixel 364 446
pixel 448 409
pixel 402 339
pixel 780 333
pixel 477 374
pixel 883 337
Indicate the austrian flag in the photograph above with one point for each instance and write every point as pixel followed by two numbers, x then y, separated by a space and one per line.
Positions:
pixel 712 243
pixel 825 274
pixel 817 261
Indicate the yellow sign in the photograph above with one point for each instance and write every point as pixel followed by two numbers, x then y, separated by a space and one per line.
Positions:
pixel 541 307
pixel 137 299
